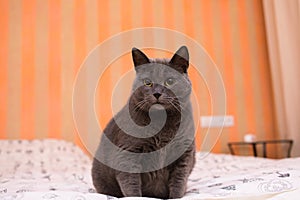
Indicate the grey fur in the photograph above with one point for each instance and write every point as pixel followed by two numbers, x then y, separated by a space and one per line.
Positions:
pixel 167 181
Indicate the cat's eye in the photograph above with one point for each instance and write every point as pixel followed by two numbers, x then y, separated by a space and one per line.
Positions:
pixel 169 81
pixel 148 82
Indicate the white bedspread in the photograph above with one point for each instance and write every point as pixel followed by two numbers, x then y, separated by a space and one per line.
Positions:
pixel 55 169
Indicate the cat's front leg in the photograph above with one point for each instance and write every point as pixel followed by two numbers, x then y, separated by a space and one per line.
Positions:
pixel 180 173
pixel 177 183
pixel 130 184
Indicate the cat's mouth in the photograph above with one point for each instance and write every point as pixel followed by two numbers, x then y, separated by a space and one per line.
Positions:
pixel 160 105
pixel 157 106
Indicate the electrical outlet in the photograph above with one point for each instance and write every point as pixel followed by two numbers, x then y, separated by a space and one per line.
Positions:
pixel 217 121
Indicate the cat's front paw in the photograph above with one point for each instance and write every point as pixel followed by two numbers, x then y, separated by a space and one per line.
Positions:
pixel 176 194
pixel 133 193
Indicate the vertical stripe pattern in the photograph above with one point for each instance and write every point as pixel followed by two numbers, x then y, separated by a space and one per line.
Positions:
pixel 44 43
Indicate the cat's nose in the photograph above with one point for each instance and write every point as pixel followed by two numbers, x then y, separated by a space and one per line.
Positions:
pixel 157 95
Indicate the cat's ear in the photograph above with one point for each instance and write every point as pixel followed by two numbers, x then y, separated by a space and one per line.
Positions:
pixel 138 57
pixel 180 60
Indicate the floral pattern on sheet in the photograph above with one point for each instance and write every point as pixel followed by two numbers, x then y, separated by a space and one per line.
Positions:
pixel 217 175
pixel 56 169
pixel 43 165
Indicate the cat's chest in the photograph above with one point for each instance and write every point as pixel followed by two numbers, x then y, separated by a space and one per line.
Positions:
pixel 155 177
pixel 158 141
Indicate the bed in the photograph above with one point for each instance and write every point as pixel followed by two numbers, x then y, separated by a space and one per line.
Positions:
pixel 56 169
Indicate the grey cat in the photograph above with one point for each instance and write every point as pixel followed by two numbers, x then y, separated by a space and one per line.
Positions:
pixel 148 148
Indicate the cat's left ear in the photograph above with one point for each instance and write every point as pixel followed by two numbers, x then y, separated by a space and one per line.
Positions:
pixel 180 60
pixel 139 58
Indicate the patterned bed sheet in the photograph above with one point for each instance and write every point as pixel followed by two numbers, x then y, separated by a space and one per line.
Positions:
pixel 56 169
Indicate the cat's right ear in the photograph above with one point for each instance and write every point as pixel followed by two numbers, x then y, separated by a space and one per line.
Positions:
pixel 138 57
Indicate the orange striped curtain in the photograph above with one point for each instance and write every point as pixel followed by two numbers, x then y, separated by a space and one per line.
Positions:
pixel 44 42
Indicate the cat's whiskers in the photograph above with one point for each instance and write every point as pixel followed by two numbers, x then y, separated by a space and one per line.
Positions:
pixel 174 100
pixel 171 98
pixel 175 105
pixel 140 105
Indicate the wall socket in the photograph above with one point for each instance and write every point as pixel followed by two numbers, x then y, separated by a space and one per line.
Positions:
pixel 217 121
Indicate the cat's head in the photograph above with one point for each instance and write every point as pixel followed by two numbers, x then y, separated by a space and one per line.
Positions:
pixel 161 81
